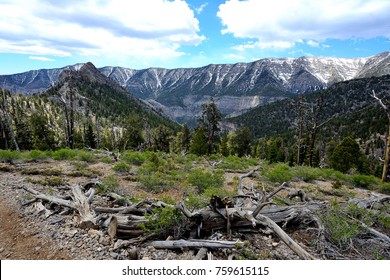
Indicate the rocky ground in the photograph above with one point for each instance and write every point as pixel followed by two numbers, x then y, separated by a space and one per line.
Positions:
pixel 26 233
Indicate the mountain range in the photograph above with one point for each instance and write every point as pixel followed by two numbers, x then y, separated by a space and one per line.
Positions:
pixel 236 88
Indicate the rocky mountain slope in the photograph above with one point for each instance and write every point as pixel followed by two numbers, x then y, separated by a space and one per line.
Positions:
pixel 180 92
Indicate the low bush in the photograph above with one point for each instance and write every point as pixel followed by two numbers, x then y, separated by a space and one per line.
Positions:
pixel 122 167
pixel 136 158
pixel 64 154
pixel 278 173
pixel 85 156
pixel 9 156
pixel 205 180
pixel 364 181
pixel 109 184
pixel 339 226
pixel 306 173
pixel 36 156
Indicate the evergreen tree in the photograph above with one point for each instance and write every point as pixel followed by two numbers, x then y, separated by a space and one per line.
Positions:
pixel 161 138
pixel 223 148
pixel 210 120
pixel 199 142
pixel 275 150
pixel 43 136
pixel 133 132
pixel 347 155
pixel 184 139
pixel 90 139
pixel 242 141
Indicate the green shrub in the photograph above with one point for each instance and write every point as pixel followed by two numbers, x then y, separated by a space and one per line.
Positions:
pixel 109 184
pixel 278 173
pixel 36 155
pixel 385 188
pixel 85 156
pixel 122 167
pixel 234 163
pixel 64 154
pixel 339 226
pixel 198 201
pixel 107 160
pixel 364 181
pixel 205 180
pixel 9 156
pixel 306 173
pixel 137 158
pixel 164 221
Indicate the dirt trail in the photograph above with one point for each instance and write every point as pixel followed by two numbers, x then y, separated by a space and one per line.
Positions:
pixel 19 241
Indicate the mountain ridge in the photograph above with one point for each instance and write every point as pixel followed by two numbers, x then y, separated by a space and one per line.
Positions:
pixel 237 87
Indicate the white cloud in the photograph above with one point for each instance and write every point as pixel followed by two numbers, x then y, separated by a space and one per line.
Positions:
pixel 41 58
pixel 312 43
pixel 283 23
pixel 235 57
pixel 116 28
pixel 201 8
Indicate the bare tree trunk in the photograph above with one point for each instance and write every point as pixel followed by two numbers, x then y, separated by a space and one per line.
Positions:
pixel 3 133
pixel 7 119
pixel 386 167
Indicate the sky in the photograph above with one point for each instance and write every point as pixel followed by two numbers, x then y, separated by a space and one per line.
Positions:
pixel 138 34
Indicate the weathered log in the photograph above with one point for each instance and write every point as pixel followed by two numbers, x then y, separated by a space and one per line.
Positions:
pixel 264 220
pixel 87 217
pixel 40 208
pixel 121 210
pixel 50 198
pixel 112 227
pixel 117 199
pixel 197 243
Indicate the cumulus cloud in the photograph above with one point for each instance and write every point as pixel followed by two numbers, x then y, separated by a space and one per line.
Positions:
pixel 149 28
pixel 281 23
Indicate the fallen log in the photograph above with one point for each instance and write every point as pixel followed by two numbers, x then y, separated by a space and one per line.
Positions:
pixel 193 244
pixel 50 198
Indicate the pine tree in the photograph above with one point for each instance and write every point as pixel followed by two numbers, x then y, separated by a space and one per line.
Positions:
pixel 347 155
pixel 199 142
pixel 210 121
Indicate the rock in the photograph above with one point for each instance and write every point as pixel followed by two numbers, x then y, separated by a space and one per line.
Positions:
pixel 133 253
pixel 114 255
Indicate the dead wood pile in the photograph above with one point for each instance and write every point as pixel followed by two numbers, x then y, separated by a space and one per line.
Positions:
pixel 250 211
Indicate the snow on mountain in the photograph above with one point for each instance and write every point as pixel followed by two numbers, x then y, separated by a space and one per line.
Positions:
pixel 235 87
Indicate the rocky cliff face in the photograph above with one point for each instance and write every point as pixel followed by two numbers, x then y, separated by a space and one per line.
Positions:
pixel 236 87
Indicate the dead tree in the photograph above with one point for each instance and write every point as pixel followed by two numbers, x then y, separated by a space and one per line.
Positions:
pixel 7 120
pixel 386 167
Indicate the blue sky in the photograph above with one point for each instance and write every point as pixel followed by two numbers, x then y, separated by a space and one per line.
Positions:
pixel 138 34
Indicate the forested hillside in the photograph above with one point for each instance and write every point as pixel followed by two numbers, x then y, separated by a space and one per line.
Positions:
pixel 345 109
pixel 84 109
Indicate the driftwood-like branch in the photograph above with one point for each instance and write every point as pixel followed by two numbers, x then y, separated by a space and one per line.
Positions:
pixel 195 243
pixel 50 198
pixel 284 237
